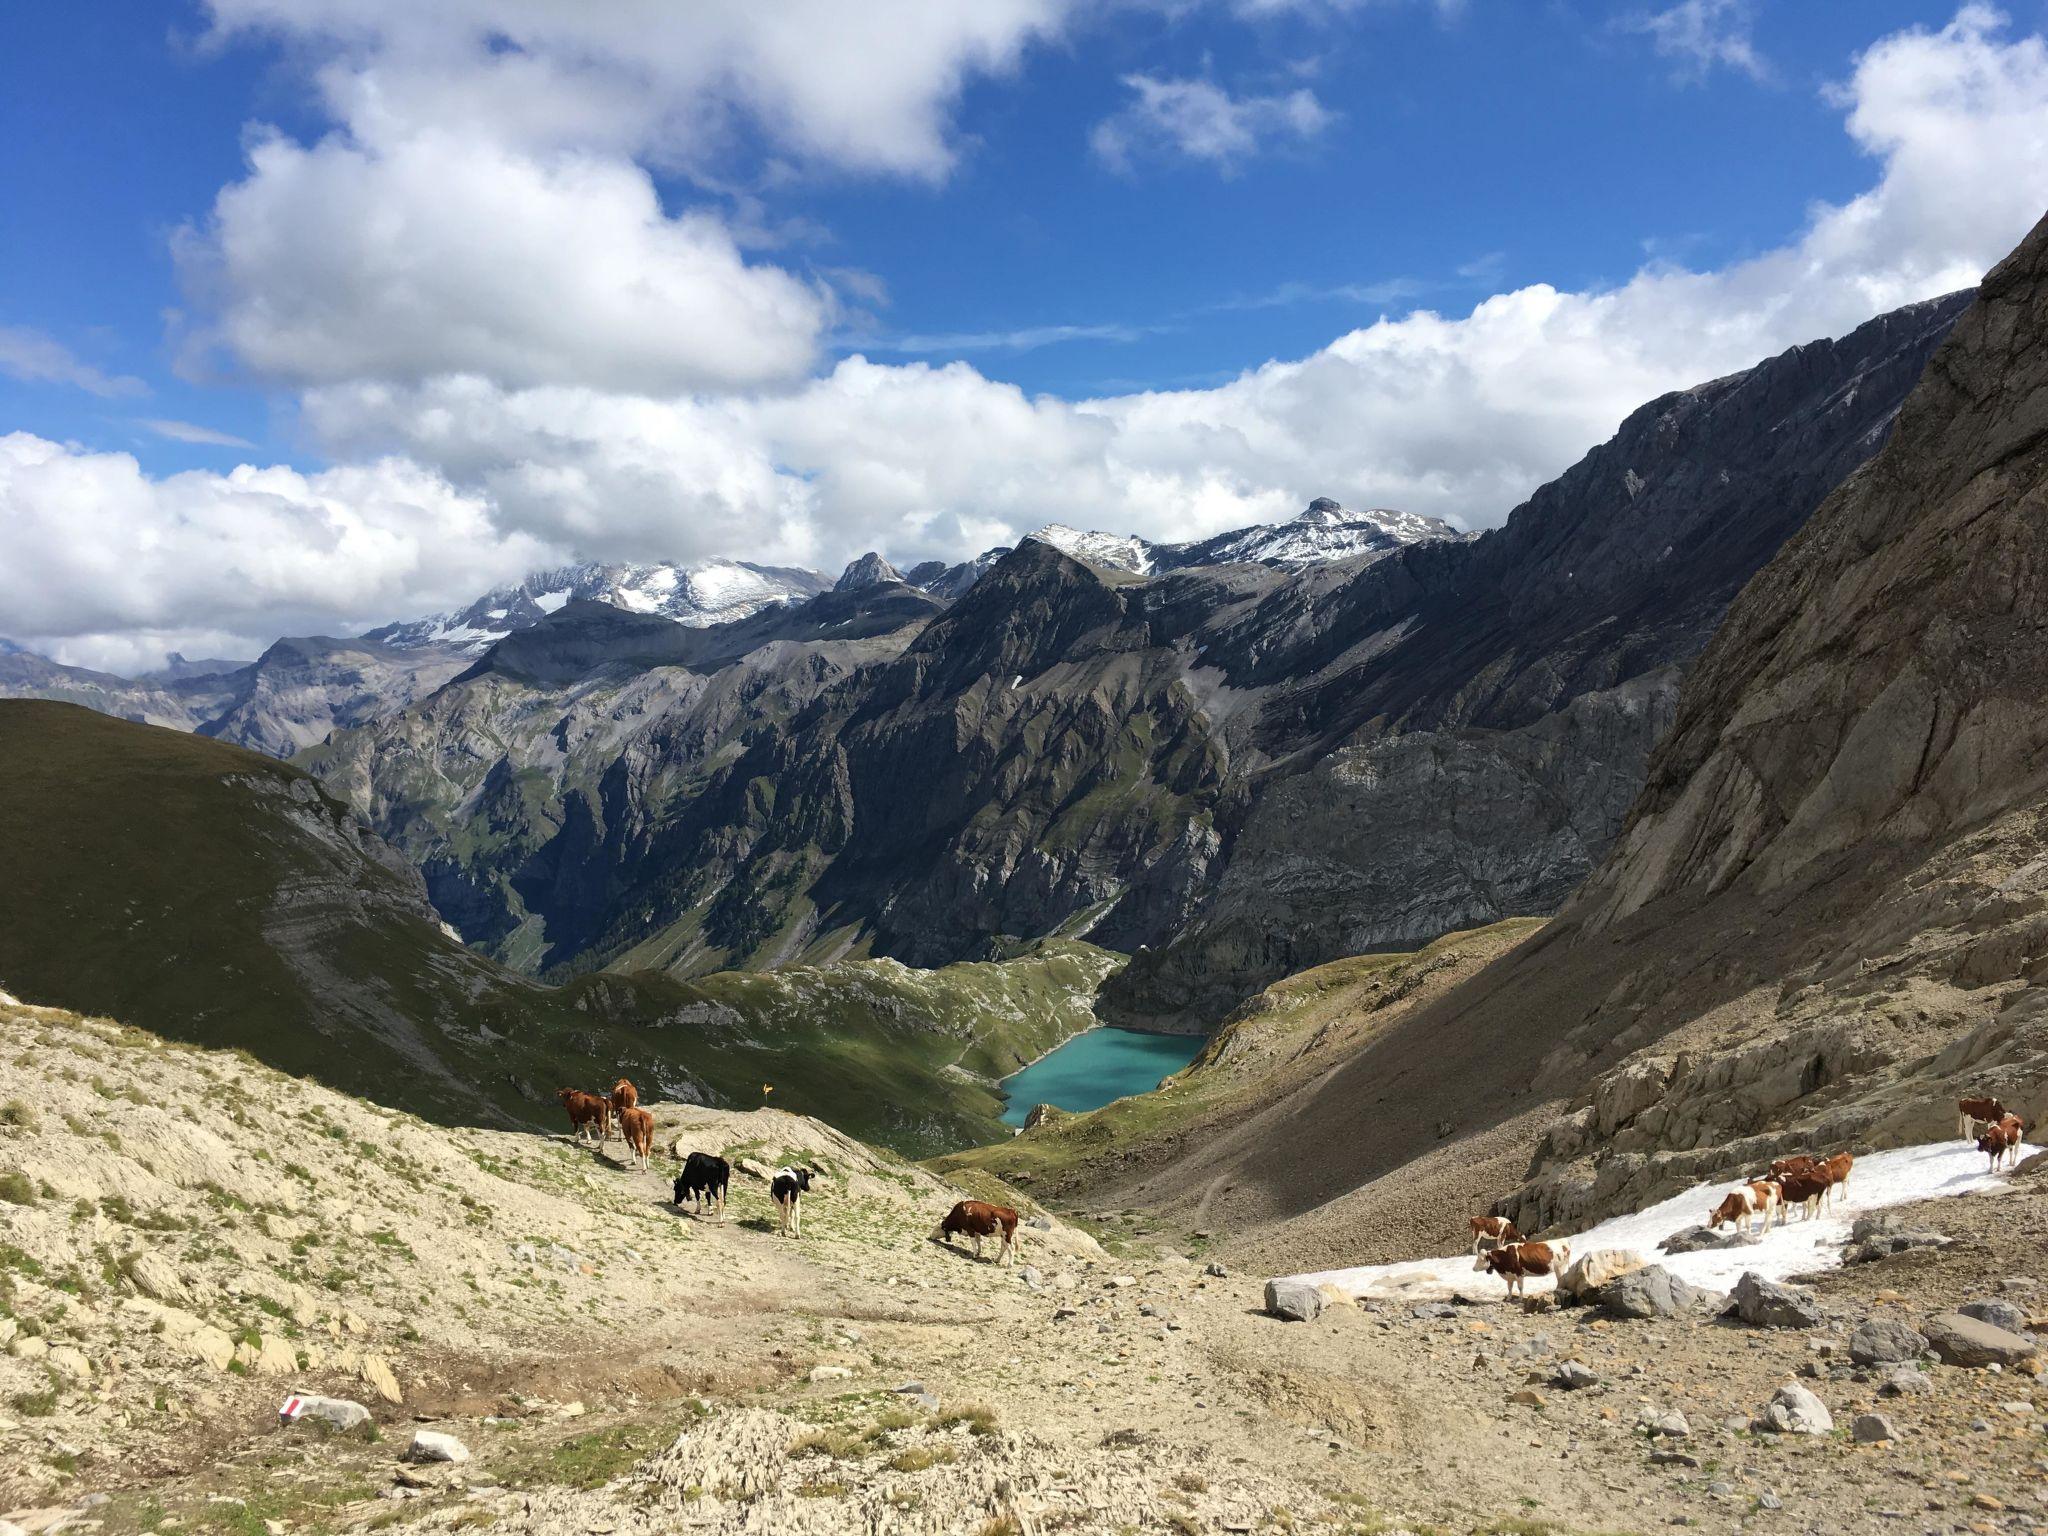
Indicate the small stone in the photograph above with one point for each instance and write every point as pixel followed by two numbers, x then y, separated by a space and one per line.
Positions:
pixel 1572 1375
pixel 1793 1410
pixel 1769 1500
pixel 1667 1423
pixel 1885 1341
pixel 1670 1458
pixel 829 1373
pixel 1527 1397
pixel 1120 1282
pixel 1903 1381
pixel 1985 1501
pixel 1214 1270
pixel 431 1445
pixel 1998 1313
pixel 1870 1428
pixel 1766 1304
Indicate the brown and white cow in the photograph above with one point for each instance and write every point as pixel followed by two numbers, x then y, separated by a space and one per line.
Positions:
pixel 1516 1262
pixel 1745 1207
pixel 978 1219
pixel 1972 1112
pixel 1997 1144
pixel 1492 1231
pixel 2015 1132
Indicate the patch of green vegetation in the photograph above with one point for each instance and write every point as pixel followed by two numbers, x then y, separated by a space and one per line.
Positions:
pixel 16 1188
pixel 20 1115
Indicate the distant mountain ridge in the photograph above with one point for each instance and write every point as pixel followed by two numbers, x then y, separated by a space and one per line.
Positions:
pixel 1323 533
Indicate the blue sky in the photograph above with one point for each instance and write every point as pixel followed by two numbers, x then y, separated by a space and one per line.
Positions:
pixel 505 287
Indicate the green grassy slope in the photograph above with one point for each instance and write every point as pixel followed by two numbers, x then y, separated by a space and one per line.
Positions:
pixel 219 897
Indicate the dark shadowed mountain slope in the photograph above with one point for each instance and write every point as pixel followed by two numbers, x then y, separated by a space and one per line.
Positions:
pixel 1829 914
pixel 1242 769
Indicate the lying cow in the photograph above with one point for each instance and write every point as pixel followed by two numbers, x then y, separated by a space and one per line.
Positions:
pixel 1745 1207
pixel 703 1180
pixel 978 1219
pixel 1970 1113
pixel 1492 1231
pixel 788 1192
pixel 1515 1262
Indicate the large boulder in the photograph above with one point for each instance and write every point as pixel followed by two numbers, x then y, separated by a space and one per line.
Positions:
pixel 1705 1239
pixel 1766 1304
pixel 1886 1341
pixel 1649 1292
pixel 1968 1341
pixel 1589 1272
pixel 1999 1313
pixel 1294 1301
pixel 1793 1410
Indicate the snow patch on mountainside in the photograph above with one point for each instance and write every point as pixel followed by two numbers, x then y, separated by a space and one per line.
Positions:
pixel 1323 533
pixel 1118 551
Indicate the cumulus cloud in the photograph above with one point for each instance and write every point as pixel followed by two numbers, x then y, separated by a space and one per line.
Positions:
pixel 446 254
pixel 99 552
pixel 1700 36
pixel 465 477
pixel 1200 120
pixel 35 358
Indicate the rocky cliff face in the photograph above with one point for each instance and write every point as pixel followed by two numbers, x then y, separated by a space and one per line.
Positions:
pixel 1242 769
pixel 1827 917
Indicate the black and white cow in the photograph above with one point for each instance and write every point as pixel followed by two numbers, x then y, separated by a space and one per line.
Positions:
pixel 703 1181
pixel 788 1192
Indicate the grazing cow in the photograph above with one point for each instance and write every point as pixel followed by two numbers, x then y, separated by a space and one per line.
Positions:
pixel 978 1219
pixel 584 1109
pixel 703 1180
pixel 1837 1170
pixel 788 1193
pixel 1969 1112
pixel 1997 1145
pixel 1805 1190
pixel 1515 1262
pixel 1492 1231
pixel 637 1127
pixel 1741 1208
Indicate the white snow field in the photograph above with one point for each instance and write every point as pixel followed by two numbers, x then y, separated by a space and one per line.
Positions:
pixel 1798 1247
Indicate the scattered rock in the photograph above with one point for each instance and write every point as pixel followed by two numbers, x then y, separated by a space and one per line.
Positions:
pixel 1527 1397
pixel 920 1394
pixel 1885 1341
pixel 1215 1270
pixel 1671 1458
pixel 376 1372
pixel 1649 1292
pixel 1766 1304
pixel 1793 1410
pixel 1432 1311
pixel 1294 1301
pixel 1664 1423
pixel 1032 1279
pixel 1904 1381
pixel 1590 1271
pixel 1870 1428
pixel 1999 1314
pixel 67 1361
pixel 829 1373
pixel 1706 1239
pixel 1572 1375
pixel 431 1445
pixel 1957 1339
pixel 341 1412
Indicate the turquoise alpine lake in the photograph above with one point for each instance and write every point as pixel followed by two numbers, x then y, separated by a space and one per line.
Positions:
pixel 1094 1067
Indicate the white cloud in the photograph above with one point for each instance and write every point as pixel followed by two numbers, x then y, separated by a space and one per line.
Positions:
pixel 1027 338
pixel 1202 121
pixel 462 480
pixel 35 358
pixel 97 550
pixel 446 254
pixel 1703 35
pixel 192 432
pixel 868 87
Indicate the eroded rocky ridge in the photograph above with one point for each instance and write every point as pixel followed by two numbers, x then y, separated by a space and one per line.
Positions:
pixel 1238 769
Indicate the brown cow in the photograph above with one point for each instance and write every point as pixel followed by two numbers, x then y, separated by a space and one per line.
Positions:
pixel 1741 1207
pixel 584 1109
pixel 1971 1111
pixel 1515 1262
pixel 2015 1132
pixel 637 1126
pixel 623 1096
pixel 1799 1162
pixel 1804 1190
pixel 1492 1231
pixel 978 1219
pixel 1837 1170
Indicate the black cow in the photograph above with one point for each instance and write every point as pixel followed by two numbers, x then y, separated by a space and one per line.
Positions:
pixel 702 1181
pixel 788 1191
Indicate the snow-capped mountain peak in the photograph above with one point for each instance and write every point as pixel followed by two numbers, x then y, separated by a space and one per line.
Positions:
pixel 1118 551
pixel 713 592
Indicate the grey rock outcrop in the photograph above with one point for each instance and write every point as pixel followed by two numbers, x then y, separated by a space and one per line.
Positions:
pixel 1646 1293
pixel 1794 1410
pixel 1999 1313
pixel 1766 1304
pixel 1293 1301
pixel 1886 1341
pixel 1959 1340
